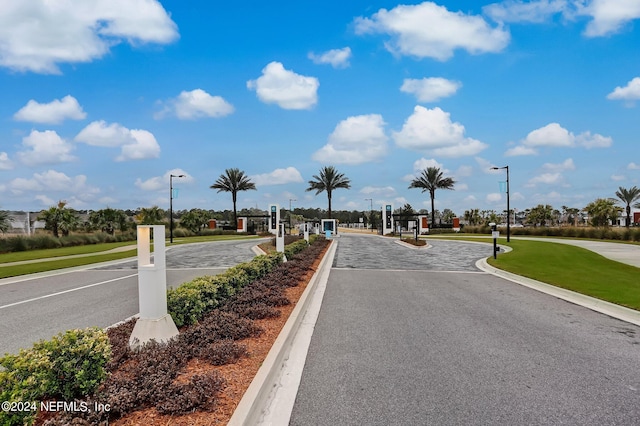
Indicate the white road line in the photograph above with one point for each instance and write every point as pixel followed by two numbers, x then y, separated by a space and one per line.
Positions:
pixel 408 270
pixel 66 291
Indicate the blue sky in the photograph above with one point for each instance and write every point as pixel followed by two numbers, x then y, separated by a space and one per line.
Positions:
pixel 103 100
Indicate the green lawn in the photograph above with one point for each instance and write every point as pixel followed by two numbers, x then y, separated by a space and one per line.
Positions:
pixel 57 252
pixel 96 249
pixel 572 268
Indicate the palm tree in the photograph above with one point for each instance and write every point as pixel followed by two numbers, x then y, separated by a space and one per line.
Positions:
pixel 328 180
pixel 151 215
pixel 602 211
pixel 430 180
pixel 628 196
pixel 233 180
pixel 5 223
pixel 59 218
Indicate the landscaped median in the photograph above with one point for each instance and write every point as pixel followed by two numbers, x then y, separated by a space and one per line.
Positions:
pixel 229 323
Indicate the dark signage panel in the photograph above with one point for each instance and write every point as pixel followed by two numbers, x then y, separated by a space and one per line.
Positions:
pixel 274 223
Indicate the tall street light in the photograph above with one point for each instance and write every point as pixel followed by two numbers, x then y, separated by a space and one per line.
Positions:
pixel 370 212
pixel 290 200
pixel 508 209
pixel 171 205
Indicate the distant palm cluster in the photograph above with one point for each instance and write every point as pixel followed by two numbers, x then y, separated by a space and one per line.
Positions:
pixel 61 219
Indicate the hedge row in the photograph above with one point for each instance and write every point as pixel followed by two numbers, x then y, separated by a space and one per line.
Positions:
pixel 189 302
pixel 69 366
pixel 45 241
pixel 622 234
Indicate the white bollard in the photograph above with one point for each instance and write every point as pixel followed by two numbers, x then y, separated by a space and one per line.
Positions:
pixel 280 241
pixel 306 232
pixel 154 322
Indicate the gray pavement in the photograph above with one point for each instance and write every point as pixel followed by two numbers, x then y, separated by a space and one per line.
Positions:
pixel 375 252
pixel 34 308
pixel 458 346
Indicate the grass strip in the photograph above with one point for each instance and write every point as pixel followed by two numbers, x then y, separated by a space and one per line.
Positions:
pixel 572 268
pixel 32 268
pixel 59 252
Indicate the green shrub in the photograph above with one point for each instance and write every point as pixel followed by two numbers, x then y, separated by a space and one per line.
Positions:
pixel 69 366
pixel 188 303
pixel 185 305
pixel 295 248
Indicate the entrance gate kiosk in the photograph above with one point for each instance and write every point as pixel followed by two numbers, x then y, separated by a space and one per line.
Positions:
pixel 274 218
pixel 423 224
pixel 387 219
pixel 329 227
pixel 154 322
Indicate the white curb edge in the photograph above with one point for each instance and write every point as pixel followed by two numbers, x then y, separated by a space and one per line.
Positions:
pixel 611 309
pixel 255 399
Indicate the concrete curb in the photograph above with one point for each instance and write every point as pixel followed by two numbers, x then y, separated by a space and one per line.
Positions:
pixel 256 399
pixel 611 309
pixel 411 246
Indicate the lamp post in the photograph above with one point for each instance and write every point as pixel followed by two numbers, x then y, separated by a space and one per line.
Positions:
pixel 508 209
pixel 370 212
pixel 171 205
pixel 290 200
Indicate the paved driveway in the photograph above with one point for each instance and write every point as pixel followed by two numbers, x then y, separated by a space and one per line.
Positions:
pixel 38 308
pixel 438 346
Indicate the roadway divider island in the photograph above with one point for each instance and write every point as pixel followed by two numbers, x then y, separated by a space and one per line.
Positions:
pixel 227 322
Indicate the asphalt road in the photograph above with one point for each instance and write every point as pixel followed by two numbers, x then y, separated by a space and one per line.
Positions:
pixel 39 308
pixel 461 347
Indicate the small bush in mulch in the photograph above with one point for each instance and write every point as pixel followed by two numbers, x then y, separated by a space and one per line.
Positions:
pixel 149 377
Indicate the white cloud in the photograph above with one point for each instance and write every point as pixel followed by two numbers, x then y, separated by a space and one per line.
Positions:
pixel 487 167
pixel 462 186
pixel 278 177
pixel 338 58
pixel 378 191
pixel 520 150
pixel 559 167
pixel 159 183
pixel 464 171
pixel 422 164
pixel 470 199
pixel 356 140
pixel 630 92
pixel 546 178
pixel 53 181
pixel 430 89
pixel 431 130
pixel 587 140
pixel 554 135
pixel 633 166
pixel 550 135
pixel 618 178
pixel 430 30
pixel 609 16
pixel 134 144
pixel 54 112
pixel 5 162
pixel 45 148
pixel 44 200
pixel 285 88
pixel 493 198
pixel 196 104
pixel 535 11
pixel 38 35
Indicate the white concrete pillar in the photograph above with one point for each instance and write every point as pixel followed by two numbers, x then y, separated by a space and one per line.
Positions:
pixel 242 224
pixel 306 232
pixel 154 322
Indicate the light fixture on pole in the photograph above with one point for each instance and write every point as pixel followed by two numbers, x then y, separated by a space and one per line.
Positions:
pixel 171 205
pixel 508 209
pixel 370 212
pixel 290 200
